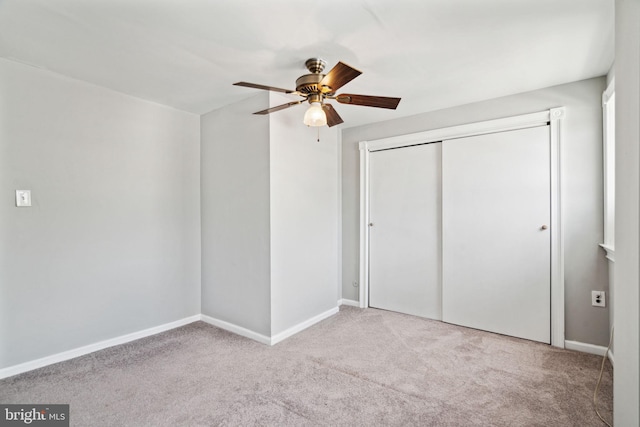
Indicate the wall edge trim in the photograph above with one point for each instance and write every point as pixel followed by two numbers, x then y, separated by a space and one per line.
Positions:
pixel 349 302
pixel 303 325
pixel 586 348
pixel 238 330
pixel 91 348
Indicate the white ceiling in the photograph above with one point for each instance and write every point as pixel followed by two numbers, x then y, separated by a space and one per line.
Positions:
pixel 432 53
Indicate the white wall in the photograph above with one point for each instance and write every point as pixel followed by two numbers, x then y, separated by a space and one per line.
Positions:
pixel 235 215
pixel 585 263
pixel 112 243
pixel 304 218
pixel 626 381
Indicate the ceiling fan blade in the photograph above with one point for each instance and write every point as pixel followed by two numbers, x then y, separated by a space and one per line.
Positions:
pixel 368 101
pixel 263 87
pixel 339 76
pixel 333 118
pixel 279 107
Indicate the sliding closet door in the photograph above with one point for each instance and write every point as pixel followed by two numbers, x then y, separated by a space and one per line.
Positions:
pixel 405 230
pixel 496 236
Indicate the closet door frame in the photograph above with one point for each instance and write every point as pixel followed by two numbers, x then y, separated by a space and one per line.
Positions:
pixel 553 117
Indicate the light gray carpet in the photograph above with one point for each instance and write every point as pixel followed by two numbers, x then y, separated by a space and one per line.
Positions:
pixel 359 367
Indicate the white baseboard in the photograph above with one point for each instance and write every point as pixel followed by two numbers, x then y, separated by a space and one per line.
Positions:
pixel 238 330
pixel 303 325
pixel 247 333
pixel 610 355
pixel 585 348
pixel 81 351
pixel 349 302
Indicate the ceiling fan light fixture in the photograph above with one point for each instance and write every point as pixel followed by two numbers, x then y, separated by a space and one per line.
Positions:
pixel 315 115
pixel 316 87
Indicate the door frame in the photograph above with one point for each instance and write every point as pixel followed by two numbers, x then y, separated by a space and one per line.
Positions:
pixel 552 117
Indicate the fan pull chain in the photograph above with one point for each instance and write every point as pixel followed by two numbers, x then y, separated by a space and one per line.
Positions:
pixel 318 133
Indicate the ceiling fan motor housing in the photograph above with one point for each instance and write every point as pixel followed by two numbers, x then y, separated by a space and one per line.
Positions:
pixel 309 83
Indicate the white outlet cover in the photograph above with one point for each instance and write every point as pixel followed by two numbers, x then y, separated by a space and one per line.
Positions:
pixel 23 198
pixel 598 299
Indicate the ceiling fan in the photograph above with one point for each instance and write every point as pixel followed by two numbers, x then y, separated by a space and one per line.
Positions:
pixel 317 87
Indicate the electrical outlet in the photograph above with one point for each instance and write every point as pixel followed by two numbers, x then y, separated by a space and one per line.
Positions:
pixel 598 299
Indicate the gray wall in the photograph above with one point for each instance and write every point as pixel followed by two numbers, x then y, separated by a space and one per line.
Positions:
pixel 585 264
pixel 304 219
pixel 626 381
pixel 235 215
pixel 111 245
pixel 269 217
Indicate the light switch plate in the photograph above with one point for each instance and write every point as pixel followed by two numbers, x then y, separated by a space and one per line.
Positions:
pixel 23 198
